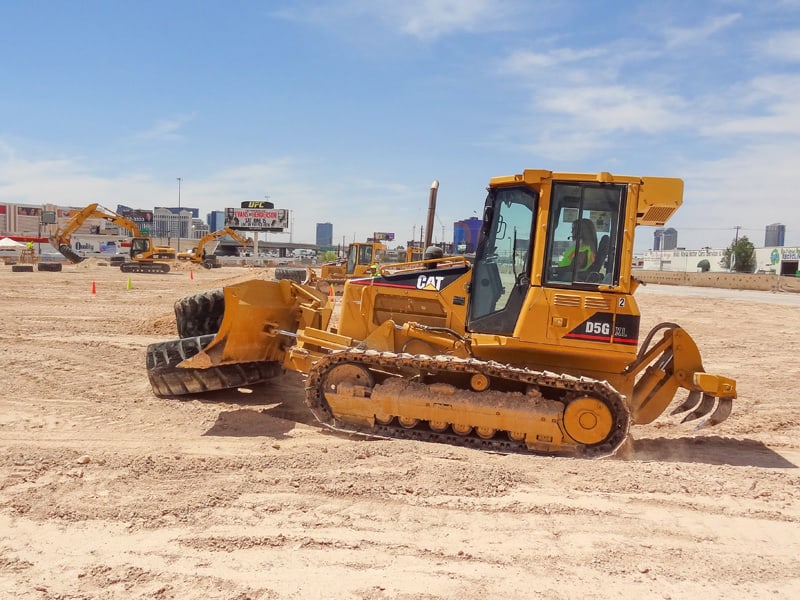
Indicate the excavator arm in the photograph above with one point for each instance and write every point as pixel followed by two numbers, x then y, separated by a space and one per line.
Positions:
pixel 60 239
pixel 197 254
pixel 235 235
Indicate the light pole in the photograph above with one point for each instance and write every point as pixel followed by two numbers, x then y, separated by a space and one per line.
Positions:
pixel 180 218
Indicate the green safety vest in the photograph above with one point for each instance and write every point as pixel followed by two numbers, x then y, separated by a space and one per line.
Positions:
pixel 570 255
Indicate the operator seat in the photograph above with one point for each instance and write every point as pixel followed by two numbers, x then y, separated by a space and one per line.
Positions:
pixel 593 273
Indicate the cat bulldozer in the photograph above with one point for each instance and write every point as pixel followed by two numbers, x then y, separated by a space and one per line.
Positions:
pixel 534 347
pixel 144 254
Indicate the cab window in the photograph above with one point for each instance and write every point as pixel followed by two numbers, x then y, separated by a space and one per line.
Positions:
pixel 585 225
pixel 501 272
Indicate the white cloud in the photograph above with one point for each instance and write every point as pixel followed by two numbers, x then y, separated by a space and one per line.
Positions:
pixel 614 108
pixel 434 18
pixel 784 45
pixel 683 36
pixel 165 129
pixel 422 19
pixel 527 62
pixel 752 187
pixel 766 106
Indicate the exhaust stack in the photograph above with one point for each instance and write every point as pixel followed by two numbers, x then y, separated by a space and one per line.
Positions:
pixel 431 213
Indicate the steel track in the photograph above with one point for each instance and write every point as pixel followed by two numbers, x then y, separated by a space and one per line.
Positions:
pixel 405 365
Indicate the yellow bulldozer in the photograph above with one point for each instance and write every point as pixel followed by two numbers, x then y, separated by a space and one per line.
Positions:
pixel 361 261
pixel 533 347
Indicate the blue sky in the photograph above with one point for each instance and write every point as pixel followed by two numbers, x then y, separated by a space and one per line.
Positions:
pixel 346 111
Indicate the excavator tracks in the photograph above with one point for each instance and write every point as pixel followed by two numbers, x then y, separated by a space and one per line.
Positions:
pixel 466 402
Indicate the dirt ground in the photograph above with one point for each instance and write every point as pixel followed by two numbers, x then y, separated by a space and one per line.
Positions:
pixel 109 492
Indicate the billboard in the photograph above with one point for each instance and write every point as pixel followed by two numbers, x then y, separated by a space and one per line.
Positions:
pixel 382 236
pixel 257 204
pixel 140 217
pixel 255 219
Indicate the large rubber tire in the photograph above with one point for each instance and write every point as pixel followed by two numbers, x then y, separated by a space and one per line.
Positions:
pixel 295 274
pixel 49 266
pixel 200 314
pixel 167 380
pixel 22 269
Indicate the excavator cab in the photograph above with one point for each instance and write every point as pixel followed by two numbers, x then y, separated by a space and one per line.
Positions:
pixel 140 247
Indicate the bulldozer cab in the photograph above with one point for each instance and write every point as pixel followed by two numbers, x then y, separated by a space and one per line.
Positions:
pixel 360 257
pixel 563 251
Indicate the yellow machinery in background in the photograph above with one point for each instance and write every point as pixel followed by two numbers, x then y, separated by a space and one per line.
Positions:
pixel 198 254
pixel 145 256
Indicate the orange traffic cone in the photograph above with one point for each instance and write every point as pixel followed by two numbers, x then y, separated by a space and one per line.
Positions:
pixel 191 274
pixel 331 294
pixel 94 288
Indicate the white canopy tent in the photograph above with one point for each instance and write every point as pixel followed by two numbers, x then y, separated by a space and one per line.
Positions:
pixel 9 244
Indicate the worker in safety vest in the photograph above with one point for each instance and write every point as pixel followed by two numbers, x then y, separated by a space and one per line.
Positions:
pixel 580 256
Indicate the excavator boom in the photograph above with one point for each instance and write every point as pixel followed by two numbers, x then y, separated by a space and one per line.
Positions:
pixel 60 239
pixel 198 254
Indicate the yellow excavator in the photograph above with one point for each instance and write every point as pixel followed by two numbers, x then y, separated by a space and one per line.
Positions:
pixel 198 253
pixel 534 347
pixel 144 254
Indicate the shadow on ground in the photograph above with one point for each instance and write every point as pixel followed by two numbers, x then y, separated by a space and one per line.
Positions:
pixel 711 450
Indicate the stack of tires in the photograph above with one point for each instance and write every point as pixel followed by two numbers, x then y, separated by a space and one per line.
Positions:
pixel 293 273
pixel 49 266
pixel 198 318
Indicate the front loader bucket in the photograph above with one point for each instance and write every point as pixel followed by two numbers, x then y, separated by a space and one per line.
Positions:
pixel 70 254
pixel 260 321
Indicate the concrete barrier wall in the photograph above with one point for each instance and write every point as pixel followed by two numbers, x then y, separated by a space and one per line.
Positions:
pixel 731 281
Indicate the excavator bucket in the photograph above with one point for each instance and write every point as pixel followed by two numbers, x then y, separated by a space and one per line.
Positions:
pixel 70 254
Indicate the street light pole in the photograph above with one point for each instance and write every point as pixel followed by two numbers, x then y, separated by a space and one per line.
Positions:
pixel 180 218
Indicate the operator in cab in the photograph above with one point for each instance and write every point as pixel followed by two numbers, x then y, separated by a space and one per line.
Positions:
pixel 580 256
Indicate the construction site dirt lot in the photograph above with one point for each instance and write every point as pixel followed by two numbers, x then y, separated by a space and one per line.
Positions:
pixel 109 492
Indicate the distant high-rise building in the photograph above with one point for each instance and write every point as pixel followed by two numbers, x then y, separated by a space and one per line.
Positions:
pixel 324 234
pixel 665 239
pixel 216 220
pixel 775 235
pixel 465 234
